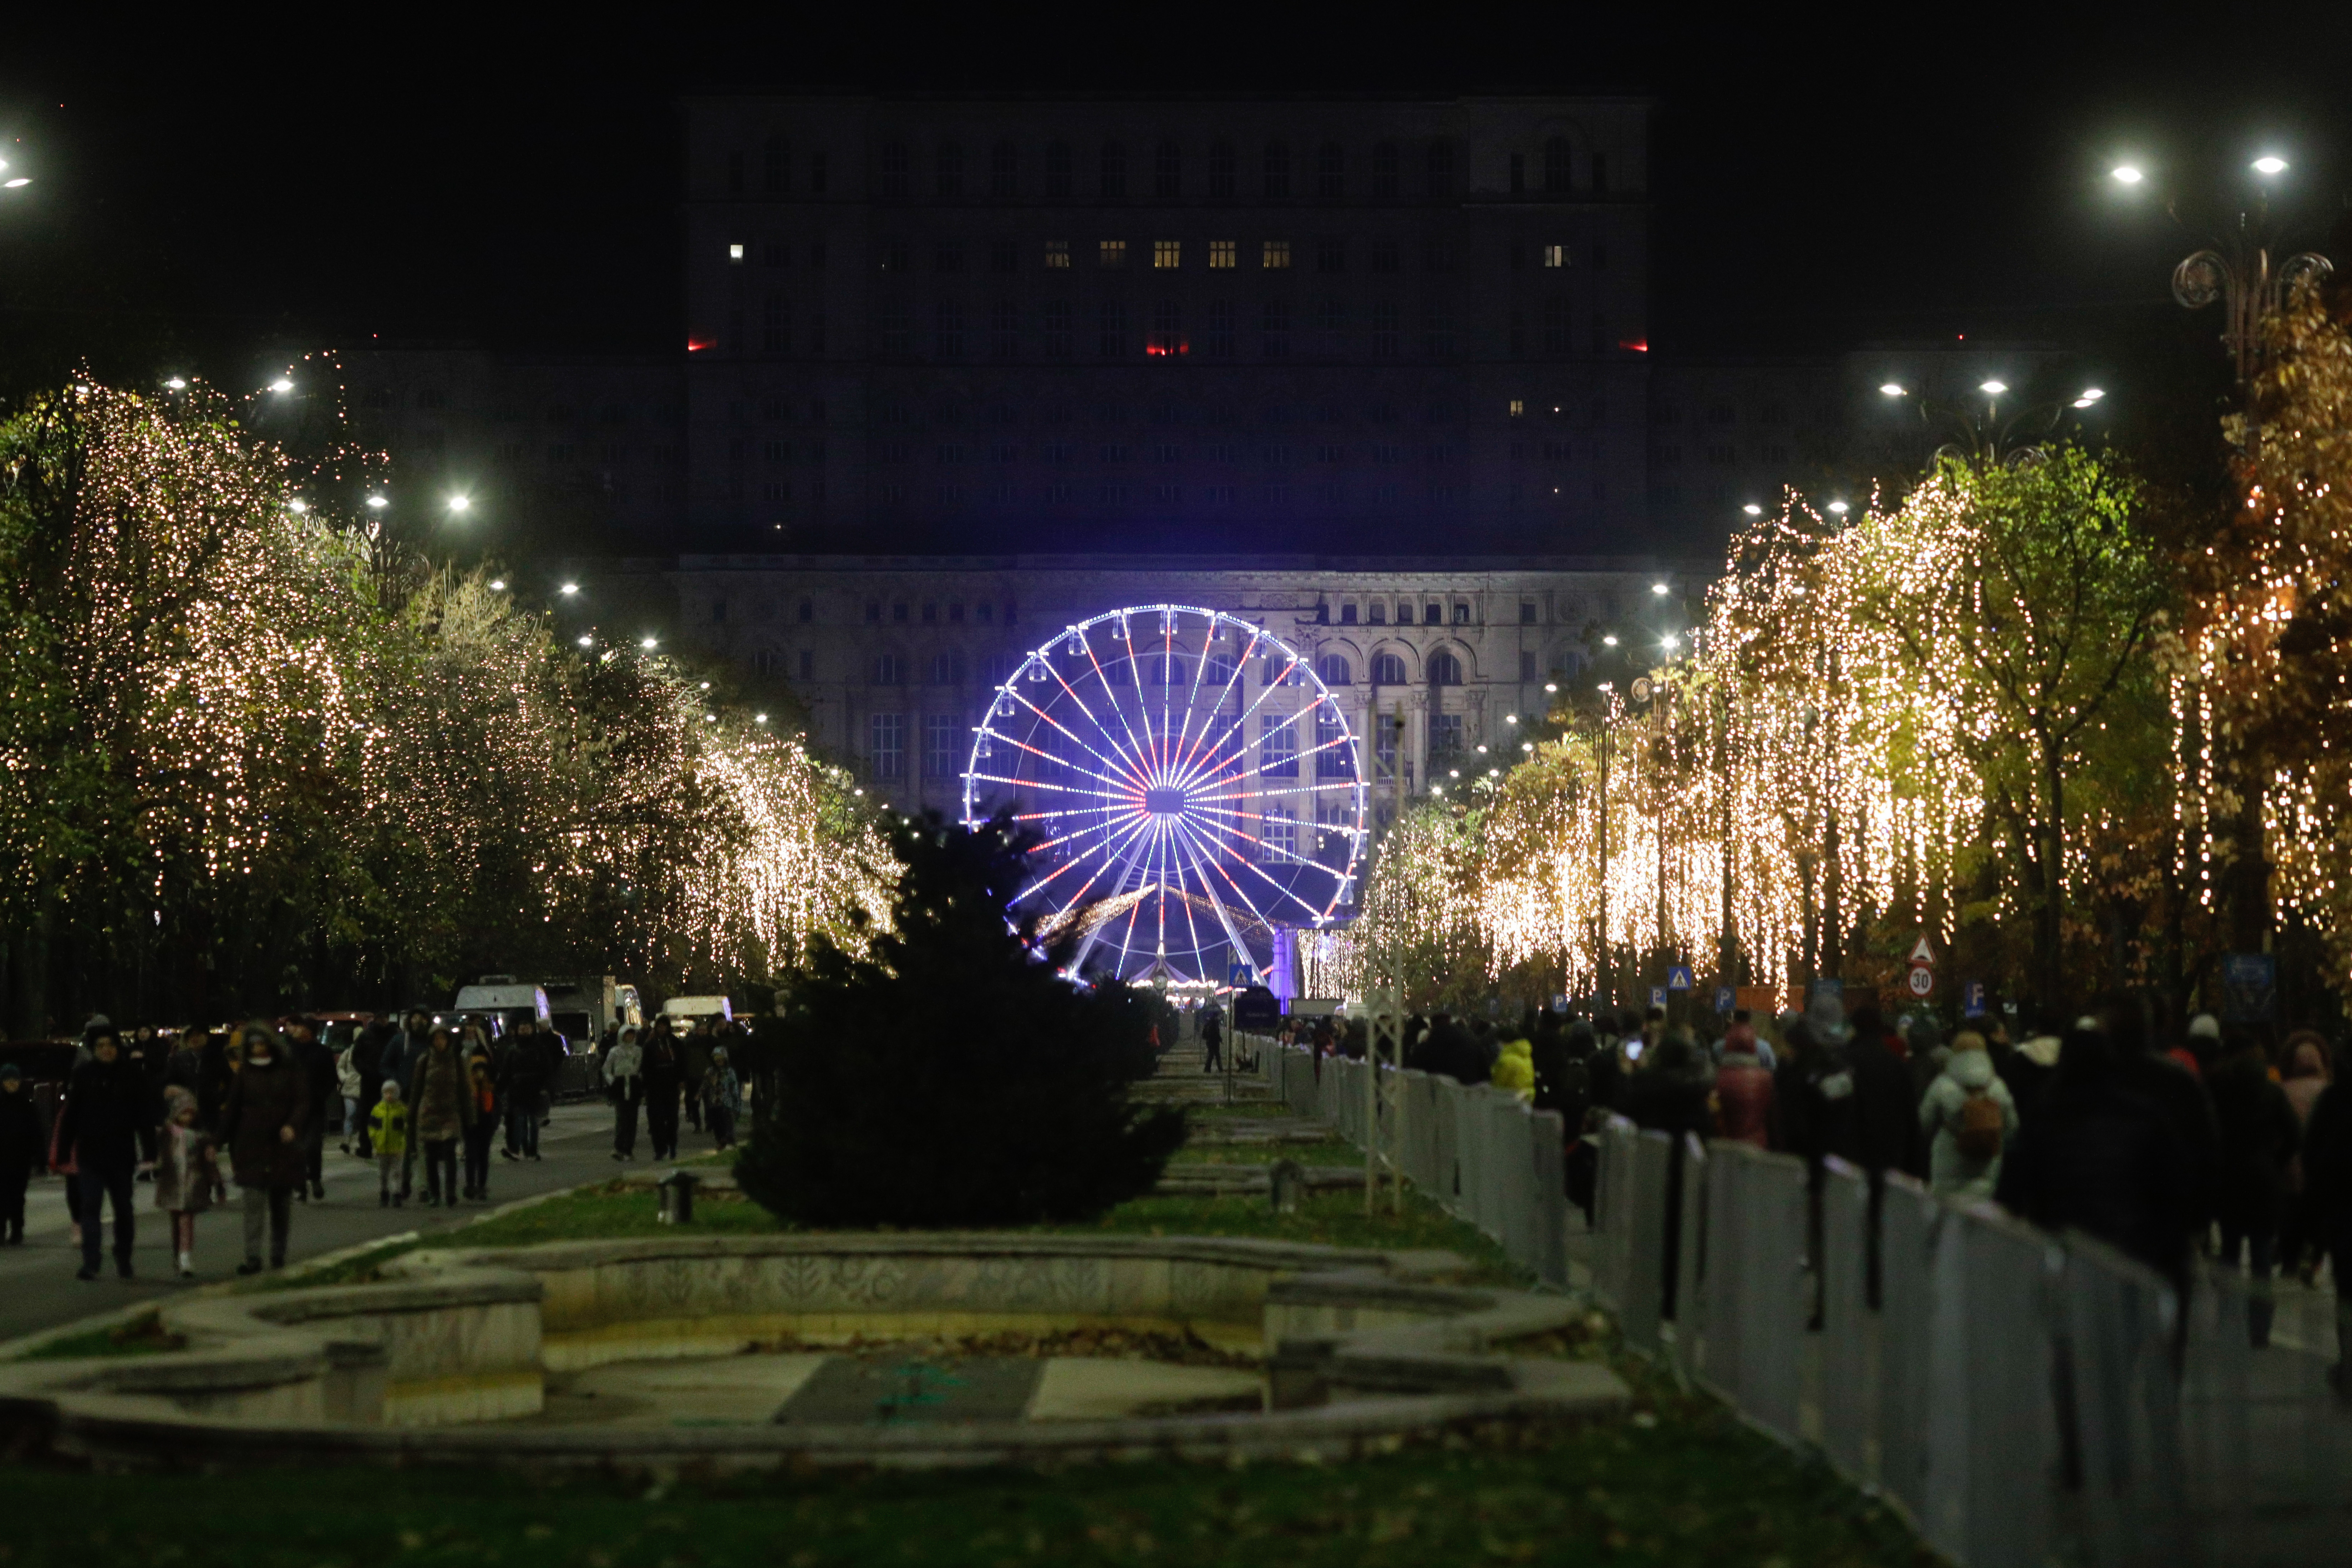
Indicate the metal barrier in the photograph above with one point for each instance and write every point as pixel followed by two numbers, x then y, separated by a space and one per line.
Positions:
pixel 1482 1154
pixel 2023 1398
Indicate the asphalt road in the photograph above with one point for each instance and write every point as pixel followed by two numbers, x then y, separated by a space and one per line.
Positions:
pixel 39 1290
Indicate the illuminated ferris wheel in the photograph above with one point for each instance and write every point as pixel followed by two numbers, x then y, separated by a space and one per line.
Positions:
pixel 1192 785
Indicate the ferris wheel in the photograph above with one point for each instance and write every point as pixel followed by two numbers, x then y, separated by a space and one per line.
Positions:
pixel 1193 787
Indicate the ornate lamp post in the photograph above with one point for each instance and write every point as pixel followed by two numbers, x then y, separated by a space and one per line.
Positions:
pixel 2239 271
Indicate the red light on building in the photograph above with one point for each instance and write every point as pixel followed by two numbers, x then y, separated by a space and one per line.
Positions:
pixel 1634 345
pixel 696 345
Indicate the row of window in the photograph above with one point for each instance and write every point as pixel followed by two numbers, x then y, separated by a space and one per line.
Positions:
pixel 1059 452
pixel 1722 454
pixel 1332 328
pixel 892 412
pixel 1270 171
pixel 1331 492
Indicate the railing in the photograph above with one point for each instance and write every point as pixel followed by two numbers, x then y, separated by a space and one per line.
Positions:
pixel 2024 1397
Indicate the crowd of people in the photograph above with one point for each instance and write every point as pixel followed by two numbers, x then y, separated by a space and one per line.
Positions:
pixel 196 1111
pixel 2224 1141
pixel 651 1072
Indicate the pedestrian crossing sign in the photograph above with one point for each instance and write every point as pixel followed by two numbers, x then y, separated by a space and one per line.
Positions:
pixel 1678 978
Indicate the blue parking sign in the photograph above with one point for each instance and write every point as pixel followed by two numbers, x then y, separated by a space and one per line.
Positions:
pixel 1972 1004
pixel 1657 995
pixel 1725 998
pixel 1678 978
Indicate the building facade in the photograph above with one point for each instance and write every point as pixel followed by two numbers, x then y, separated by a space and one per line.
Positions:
pixel 1166 325
pixel 896 660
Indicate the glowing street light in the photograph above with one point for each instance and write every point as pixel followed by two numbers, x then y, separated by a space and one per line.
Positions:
pixel 569 589
pixel 759 718
pixel 1893 389
pixel 649 642
pixel 1660 589
pixel 1669 642
pixel 377 503
pixel 1752 510
pixel 587 642
pixel 2125 174
pixel 1839 508
pixel 17 183
pixel 177 384
pixel 1551 685
pixel 461 503
pixel 1609 640
pixel 1994 387
pixel 498 584
pixel 2270 163
pixel 297 506
pixel 282 386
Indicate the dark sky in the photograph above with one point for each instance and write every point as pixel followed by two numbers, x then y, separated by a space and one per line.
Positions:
pixel 1819 177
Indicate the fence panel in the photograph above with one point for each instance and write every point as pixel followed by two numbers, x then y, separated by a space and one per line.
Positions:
pixel 1547 1160
pixel 2117 1319
pixel 1690 1261
pixel 1907 1223
pixel 1849 1329
pixel 1773 1293
pixel 1642 1210
pixel 1993 1448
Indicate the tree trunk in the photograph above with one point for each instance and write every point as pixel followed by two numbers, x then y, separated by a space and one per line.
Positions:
pixel 2053 875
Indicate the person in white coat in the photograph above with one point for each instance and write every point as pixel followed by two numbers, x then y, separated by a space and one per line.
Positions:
pixel 624 1086
pixel 1969 1118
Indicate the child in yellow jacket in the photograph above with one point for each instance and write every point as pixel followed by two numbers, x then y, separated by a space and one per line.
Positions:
pixel 388 1129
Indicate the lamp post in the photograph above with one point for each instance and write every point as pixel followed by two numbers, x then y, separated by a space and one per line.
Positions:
pixel 2240 269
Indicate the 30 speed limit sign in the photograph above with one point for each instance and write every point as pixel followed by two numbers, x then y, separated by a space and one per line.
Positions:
pixel 1923 980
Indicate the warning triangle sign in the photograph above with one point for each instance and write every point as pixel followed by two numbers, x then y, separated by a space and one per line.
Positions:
pixel 1923 953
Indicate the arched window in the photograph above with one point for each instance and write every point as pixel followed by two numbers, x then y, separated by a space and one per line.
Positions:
pixel 1335 670
pixel 1387 669
pixel 1556 164
pixel 1444 670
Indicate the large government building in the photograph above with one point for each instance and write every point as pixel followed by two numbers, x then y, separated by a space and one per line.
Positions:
pixel 957 372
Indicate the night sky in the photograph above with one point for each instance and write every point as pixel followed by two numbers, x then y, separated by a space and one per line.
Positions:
pixel 203 194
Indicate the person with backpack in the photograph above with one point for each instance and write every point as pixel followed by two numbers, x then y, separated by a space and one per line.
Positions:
pixel 1969 1117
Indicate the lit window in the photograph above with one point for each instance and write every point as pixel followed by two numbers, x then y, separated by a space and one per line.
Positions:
pixel 1167 253
pixel 1555 255
pixel 1220 255
pixel 1058 254
pixel 1519 408
pixel 735 251
pixel 1276 255
pixel 1114 253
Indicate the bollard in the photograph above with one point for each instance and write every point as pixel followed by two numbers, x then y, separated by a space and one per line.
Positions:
pixel 678 1198
pixel 1287 1183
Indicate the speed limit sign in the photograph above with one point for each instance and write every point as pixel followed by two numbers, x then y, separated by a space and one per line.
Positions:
pixel 1923 980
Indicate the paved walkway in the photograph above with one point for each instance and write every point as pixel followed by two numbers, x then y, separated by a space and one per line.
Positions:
pixel 39 1290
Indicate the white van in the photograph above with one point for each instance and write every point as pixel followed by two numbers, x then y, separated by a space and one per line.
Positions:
pixel 505 998
pixel 687 1008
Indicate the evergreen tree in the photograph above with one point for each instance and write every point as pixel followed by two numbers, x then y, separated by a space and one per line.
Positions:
pixel 947 1075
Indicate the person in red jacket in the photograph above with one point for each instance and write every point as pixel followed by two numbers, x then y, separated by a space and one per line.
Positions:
pixel 1743 1088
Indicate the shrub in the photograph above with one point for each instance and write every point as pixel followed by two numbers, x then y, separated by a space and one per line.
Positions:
pixel 951 1076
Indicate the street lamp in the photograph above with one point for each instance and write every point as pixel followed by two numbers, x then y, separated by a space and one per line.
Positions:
pixel 282 386
pixel 177 384
pixel 2241 272
pixel 377 503
pixel 649 642
pixel 587 642
pixel 2125 174
pixel 569 589
pixel 460 503
pixel 2269 163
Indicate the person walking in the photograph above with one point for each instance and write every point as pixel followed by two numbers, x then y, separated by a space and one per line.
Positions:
pixel 522 1079
pixel 187 1175
pixel 24 1146
pixel 694 1063
pixel 400 1054
pixel 388 1128
pixel 1213 1040
pixel 440 1104
pixel 1743 1089
pixel 664 1077
pixel 263 1126
pixel 481 1087
pixel 310 1053
pixel 367 1061
pixel 2307 1080
pixel 348 1090
pixel 1969 1117
pixel 106 1105
pixel 624 1086
pixel 2260 1136
pixel 722 1096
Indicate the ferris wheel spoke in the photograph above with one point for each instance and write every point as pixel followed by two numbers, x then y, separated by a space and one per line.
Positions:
pixel 1239 733
pixel 1075 739
pixel 1133 860
pixel 1127 762
pixel 1186 769
pixel 1138 825
pixel 1209 891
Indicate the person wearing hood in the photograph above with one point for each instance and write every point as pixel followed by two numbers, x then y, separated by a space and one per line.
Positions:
pixel 106 1106
pixel 1515 1069
pixel 1743 1088
pixel 262 1126
pixel 1969 1117
pixel 482 1089
pixel 24 1147
pixel 367 1060
pixel 187 1175
pixel 2306 1082
pixel 440 1109
pixel 310 1053
pixel 722 1098
pixel 624 1086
